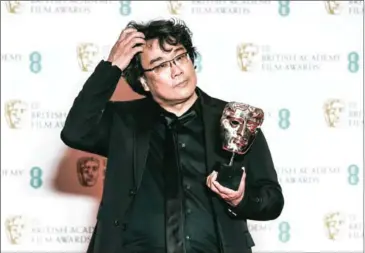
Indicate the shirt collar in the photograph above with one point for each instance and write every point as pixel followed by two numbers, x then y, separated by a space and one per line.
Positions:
pixel 171 118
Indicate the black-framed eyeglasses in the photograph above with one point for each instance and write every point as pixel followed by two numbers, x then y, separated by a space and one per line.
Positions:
pixel 165 66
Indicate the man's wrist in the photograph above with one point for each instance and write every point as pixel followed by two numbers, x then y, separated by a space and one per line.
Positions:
pixel 235 202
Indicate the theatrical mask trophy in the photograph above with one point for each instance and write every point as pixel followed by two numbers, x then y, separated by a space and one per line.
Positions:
pixel 239 126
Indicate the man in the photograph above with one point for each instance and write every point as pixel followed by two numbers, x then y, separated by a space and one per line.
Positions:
pixel 160 191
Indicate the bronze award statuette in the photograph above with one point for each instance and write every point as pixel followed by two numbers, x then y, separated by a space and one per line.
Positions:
pixel 239 126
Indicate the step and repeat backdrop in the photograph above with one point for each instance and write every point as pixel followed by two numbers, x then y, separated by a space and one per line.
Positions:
pixel 300 61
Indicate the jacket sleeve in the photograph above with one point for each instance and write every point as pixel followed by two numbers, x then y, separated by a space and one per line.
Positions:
pixel 263 198
pixel 88 121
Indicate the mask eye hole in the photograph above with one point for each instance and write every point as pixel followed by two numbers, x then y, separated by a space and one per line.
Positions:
pixel 234 123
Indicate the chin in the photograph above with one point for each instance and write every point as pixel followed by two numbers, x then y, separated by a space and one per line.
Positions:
pixel 185 92
pixel 188 95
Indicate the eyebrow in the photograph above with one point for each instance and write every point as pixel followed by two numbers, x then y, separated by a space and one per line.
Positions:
pixel 161 58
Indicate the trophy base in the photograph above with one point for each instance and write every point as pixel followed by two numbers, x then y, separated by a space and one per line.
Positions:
pixel 229 176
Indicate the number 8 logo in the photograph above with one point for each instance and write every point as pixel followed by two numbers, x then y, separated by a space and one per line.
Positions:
pixel 284 231
pixel 35 59
pixel 284 8
pixel 36 177
pixel 125 8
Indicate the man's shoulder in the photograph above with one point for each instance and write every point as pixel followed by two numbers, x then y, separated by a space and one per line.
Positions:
pixel 219 102
pixel 128 104
pixel 211 100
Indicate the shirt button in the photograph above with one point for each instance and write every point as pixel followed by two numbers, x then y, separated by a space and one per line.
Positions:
pixel 187 186
pixel 187 237
pixel 182 145
pixel 132 192
pixel 188 211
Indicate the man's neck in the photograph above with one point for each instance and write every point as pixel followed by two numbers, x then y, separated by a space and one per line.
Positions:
pixel 180 108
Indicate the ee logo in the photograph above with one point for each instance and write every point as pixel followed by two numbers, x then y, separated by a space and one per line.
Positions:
pixel 353 62
pixel 284 118
pixel 284 8
pixel 35 62
pixel 125 8
pixel 36 175
pixel 284 231
pixel 353 174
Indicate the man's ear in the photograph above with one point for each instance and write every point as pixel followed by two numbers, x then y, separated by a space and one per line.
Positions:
pixel 144 83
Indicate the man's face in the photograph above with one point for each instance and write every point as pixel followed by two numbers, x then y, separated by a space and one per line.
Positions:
pixel 239 124
pixel 170 80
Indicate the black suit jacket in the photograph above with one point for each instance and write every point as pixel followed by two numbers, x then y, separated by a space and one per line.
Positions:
pixel 120 131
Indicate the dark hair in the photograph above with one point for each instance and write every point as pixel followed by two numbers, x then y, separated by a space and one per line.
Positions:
pixel 172 32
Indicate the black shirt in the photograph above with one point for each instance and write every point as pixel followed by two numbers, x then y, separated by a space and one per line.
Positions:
pixel 145 226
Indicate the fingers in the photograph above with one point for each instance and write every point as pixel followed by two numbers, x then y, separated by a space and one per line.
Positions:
pixel 137 49
pixel 212 184
pixel 135 41
pixel 209 180
pixel 211 177
pixel 224 192
pixel 131 36
pixel 215 189
pixel 131 42
pixel 125 32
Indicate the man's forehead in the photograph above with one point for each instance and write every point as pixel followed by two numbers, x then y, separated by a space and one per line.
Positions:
pixel 152 49
pixel 154 44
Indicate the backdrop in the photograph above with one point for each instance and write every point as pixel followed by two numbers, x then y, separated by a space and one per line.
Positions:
pixel 301 62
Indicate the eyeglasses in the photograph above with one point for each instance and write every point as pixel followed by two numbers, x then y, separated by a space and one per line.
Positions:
pixel 165 66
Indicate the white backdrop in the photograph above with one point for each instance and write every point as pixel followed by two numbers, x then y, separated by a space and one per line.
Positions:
pixel 302 62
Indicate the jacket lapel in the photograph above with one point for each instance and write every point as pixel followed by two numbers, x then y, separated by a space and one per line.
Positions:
pixel 141 134
pixel 212 111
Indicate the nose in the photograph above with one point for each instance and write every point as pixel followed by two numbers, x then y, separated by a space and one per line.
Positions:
pixel 175 69
pixel 241 129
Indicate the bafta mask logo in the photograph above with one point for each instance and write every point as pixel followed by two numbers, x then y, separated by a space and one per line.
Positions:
pixel 174 7
pixel 246 54
pixel 333 7
pixel 239 126
pixel 88 171
pixel 87 54
pixel 15 229
pixel 334 224
pixel 333 109
pixel 15 113
pixel 13 7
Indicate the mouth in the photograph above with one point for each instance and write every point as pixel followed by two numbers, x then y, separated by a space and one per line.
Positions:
pixel 183 83
pixel 239 141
